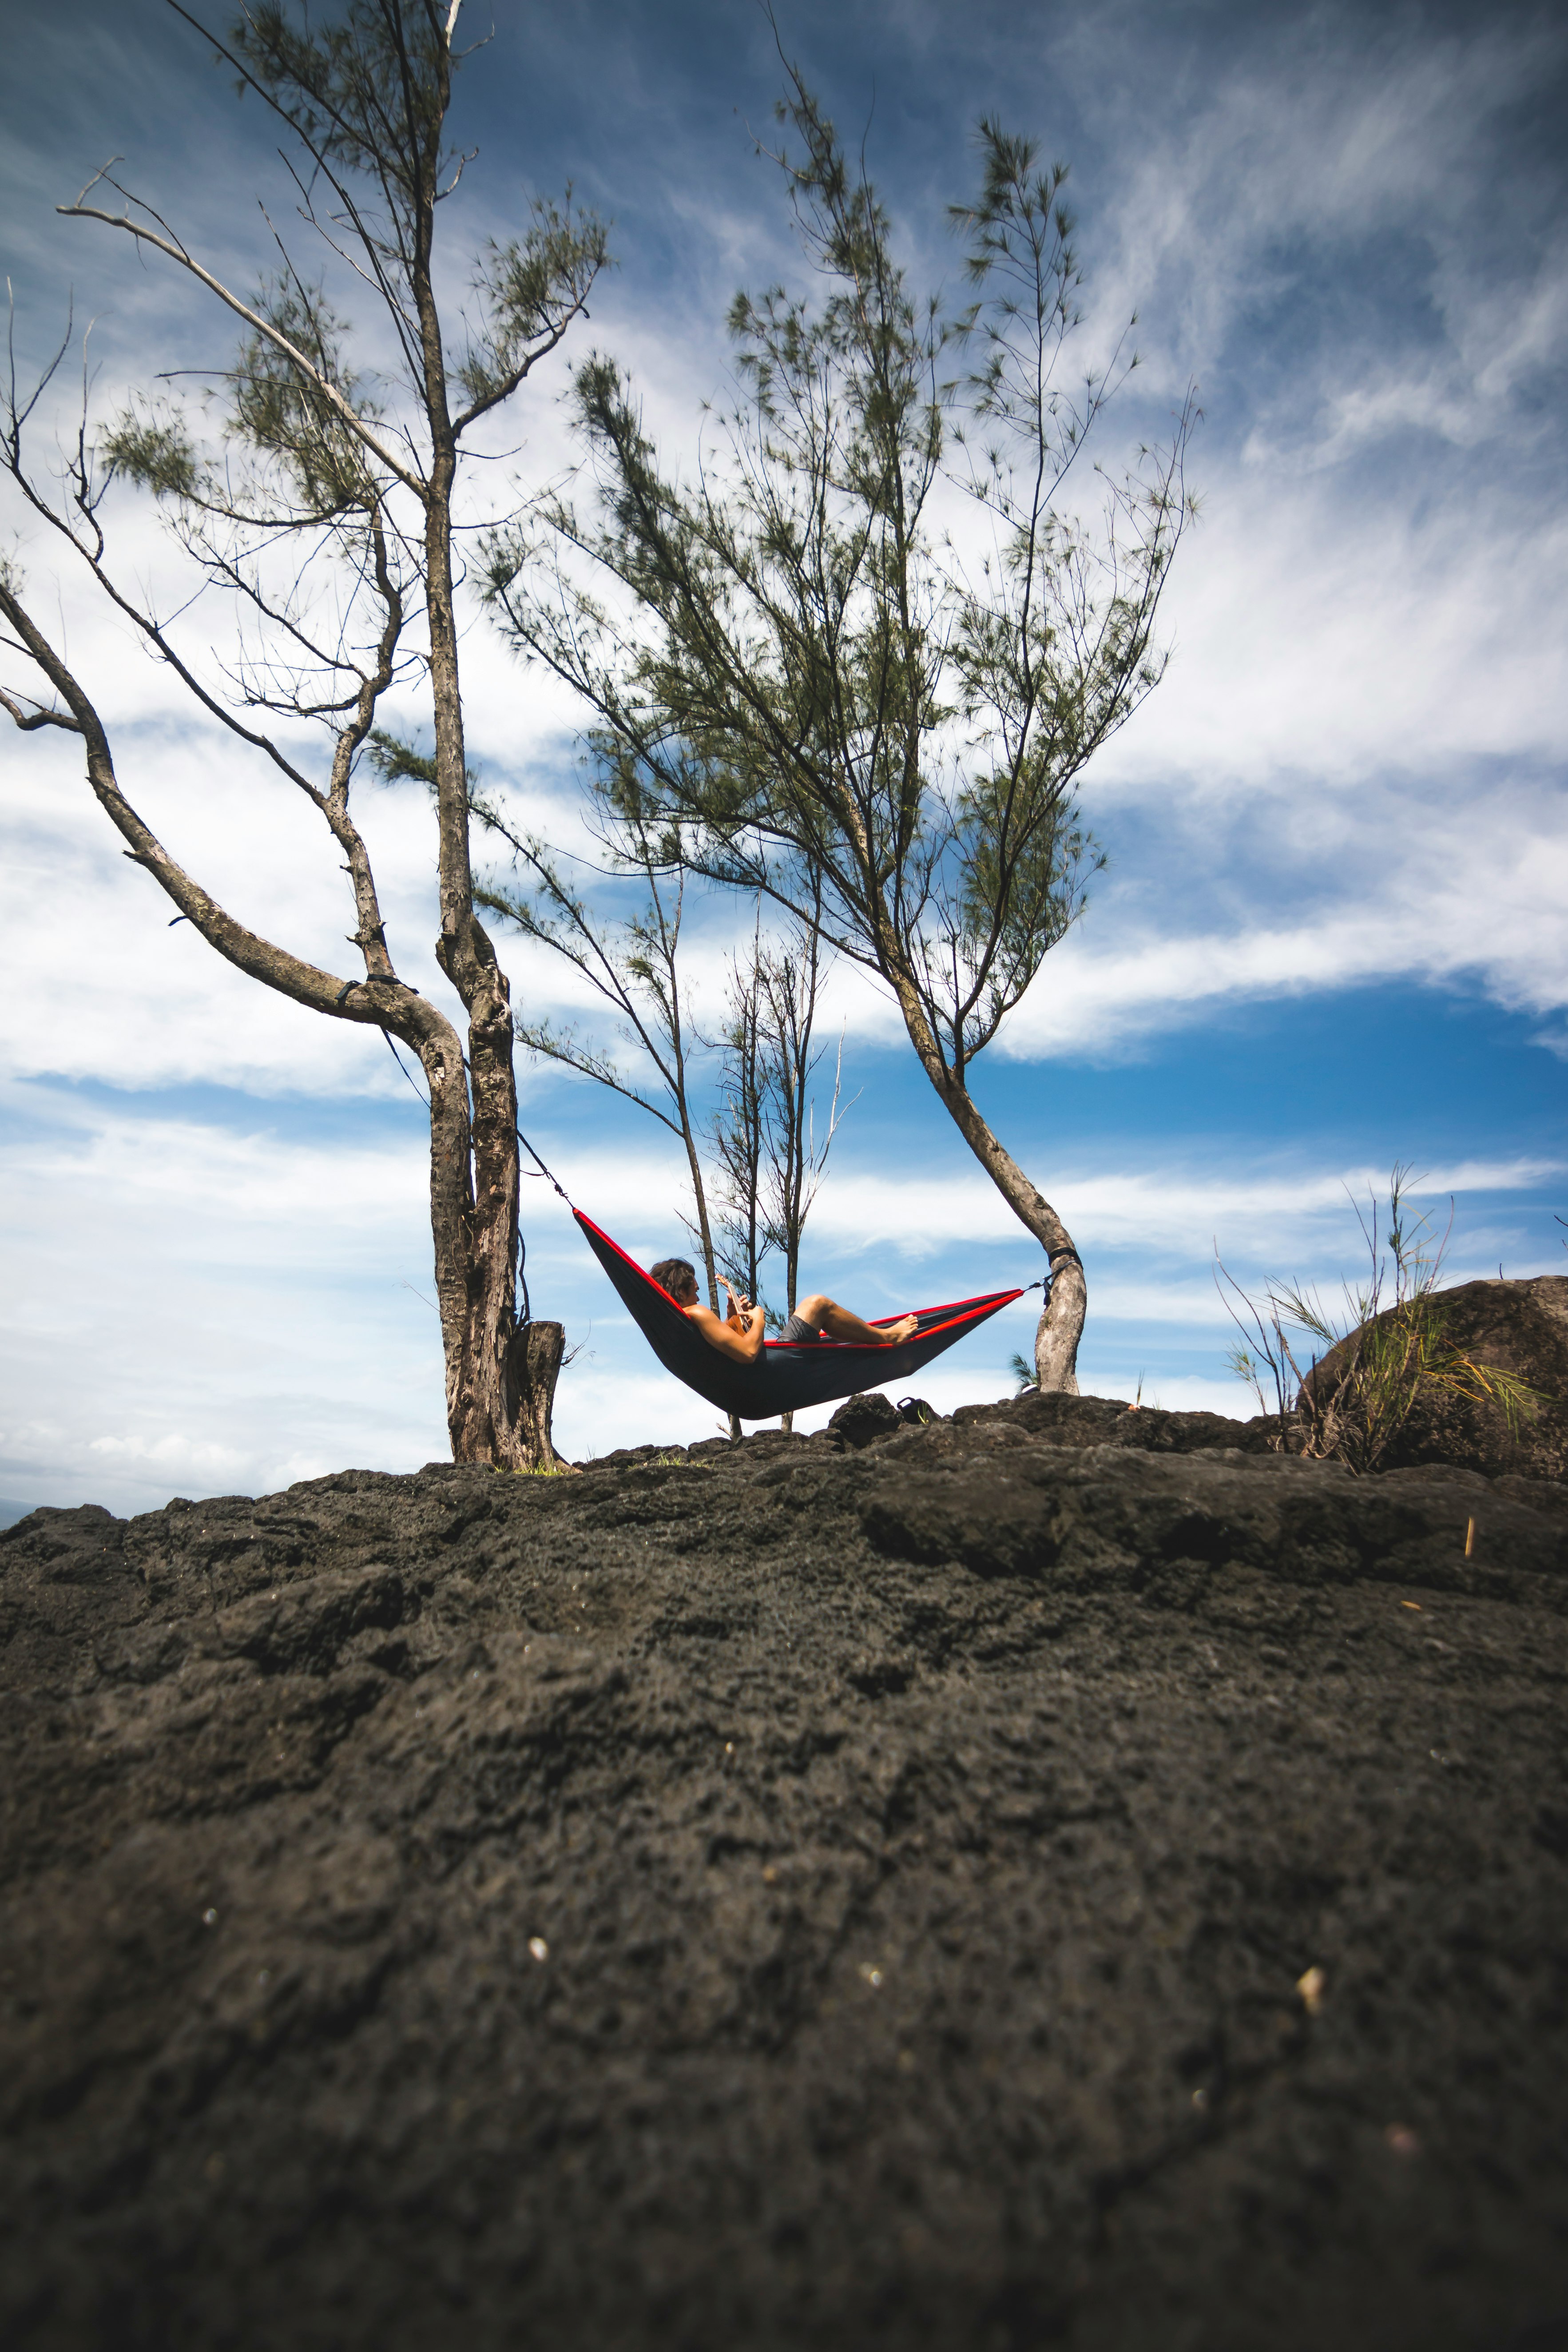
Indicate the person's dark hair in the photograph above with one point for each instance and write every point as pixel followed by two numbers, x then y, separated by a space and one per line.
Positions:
pixel 675 1275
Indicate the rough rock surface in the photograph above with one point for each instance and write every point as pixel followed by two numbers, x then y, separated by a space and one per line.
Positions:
pixel 1522 1326
pixel 1060 1876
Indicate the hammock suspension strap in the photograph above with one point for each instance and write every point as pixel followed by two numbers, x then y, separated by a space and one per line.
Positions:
pixel 526 1318
pixel 540 1165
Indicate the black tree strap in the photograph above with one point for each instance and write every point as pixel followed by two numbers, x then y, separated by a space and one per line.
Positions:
pixel 540 1166
pixel 403 1064
pixel 527 1316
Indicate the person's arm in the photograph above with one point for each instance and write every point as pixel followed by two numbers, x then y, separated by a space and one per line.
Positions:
pixel 739 1335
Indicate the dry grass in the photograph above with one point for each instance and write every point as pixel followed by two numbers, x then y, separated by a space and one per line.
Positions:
pixel 1366 1366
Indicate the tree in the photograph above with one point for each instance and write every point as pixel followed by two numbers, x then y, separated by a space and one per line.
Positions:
pixel 867 651
pixel 795 1156
pixel 738 1130
pixel 771 1157
pixel 324 515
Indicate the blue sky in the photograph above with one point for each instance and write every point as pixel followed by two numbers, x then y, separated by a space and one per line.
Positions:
pixel 1330 932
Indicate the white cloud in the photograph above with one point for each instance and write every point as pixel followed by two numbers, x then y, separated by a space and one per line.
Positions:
pixel 1446 908
pixel 1172 1210
pixel 1331 142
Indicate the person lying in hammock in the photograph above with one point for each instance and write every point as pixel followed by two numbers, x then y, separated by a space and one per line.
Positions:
pixel 740 1332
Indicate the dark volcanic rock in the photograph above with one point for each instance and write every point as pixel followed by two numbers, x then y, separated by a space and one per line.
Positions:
pixel 861 1418
pixel 1059 1420
pixel 1521 1326
pixel 794 1896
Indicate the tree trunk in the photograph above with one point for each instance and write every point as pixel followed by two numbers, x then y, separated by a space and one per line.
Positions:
pixel 475 1219
pixel 474 1230
pixel 704 1231
pixel 792 1282
pixel 1060 1327
pixel 533 1365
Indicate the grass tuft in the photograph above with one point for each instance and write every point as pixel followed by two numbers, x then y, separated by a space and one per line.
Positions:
pixel 1368 1364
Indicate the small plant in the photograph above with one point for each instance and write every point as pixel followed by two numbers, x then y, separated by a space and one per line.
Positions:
pixel 1023 1373
pixel 1366 1370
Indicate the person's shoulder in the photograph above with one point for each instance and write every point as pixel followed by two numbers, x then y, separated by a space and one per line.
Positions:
pixel 708 1323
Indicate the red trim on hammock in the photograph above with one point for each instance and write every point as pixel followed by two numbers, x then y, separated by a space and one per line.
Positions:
pixel 641 1271
pixel 987 1303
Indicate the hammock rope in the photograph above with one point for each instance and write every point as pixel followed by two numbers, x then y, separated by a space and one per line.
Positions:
pixel 540 1165
pixel 526 1318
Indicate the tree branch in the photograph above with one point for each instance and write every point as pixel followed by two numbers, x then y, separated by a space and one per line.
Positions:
pixel 260 326
pixel 28 721
pixel 383 1004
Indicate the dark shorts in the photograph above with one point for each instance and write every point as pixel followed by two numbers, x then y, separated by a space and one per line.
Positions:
pixel 795 1332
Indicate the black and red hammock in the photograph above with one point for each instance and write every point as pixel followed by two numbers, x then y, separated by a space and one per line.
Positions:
pixel 788 1374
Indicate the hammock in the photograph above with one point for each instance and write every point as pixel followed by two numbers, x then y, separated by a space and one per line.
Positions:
pixel 789 1374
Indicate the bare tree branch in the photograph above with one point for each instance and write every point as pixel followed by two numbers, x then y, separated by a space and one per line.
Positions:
pixel 327 391
pixel 28 721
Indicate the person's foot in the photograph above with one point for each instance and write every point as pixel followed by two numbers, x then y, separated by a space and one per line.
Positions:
pixel 904 1330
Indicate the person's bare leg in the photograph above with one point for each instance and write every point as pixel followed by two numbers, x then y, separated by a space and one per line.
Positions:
pixel 824 1314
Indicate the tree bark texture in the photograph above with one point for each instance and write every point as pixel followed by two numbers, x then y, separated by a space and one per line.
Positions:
pixel 532 1368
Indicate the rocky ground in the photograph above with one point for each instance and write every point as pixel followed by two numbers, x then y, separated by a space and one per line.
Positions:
pixel 1062 1876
